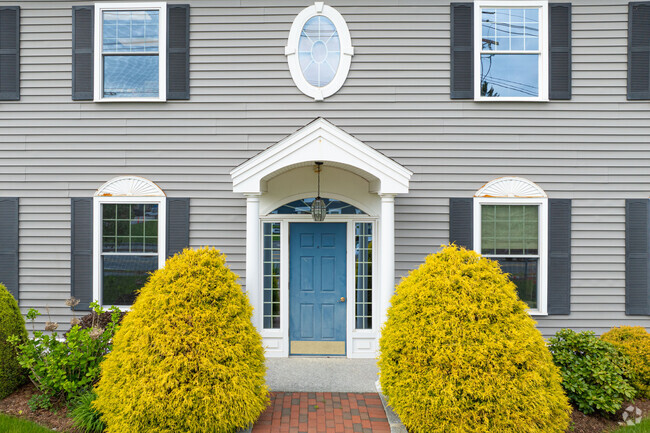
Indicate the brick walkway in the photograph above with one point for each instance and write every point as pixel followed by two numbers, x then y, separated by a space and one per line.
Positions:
pixel 323 412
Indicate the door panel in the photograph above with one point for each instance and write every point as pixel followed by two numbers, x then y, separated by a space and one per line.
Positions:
pixel 317 282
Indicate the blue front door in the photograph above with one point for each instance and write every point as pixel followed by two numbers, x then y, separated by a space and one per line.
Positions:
pixel 317 288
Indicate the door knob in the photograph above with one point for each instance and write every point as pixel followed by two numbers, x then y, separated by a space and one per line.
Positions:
pixel 342 299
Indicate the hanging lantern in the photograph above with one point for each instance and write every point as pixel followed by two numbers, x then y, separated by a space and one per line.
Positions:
pixel 318 207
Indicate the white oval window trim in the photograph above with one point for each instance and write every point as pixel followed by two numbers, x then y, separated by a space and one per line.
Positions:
pixel 347 51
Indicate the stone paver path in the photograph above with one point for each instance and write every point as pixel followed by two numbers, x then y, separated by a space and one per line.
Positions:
pixel 323 412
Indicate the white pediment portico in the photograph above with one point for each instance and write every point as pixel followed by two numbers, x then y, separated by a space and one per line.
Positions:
pixel 352 172
pixel 322 141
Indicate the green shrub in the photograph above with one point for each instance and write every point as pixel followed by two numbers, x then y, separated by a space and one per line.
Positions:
pixel 634 342
pixel 85 416
pixel 65 369
pixel 593 371
pixel 460 353
pixel 12 323
pixel 187 357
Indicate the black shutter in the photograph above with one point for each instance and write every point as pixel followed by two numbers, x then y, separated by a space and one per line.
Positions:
pixel 82 53
pixel 178 51
pixel 638 51
pixel 559 256
pixel 462 51
pixel 81 260
pixel 637 294
pixel 9 244
pixel 9 53
pixel 178 225
pixel 461 222
pixel 560 51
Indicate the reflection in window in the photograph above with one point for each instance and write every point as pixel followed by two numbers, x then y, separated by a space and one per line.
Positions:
pixel 271 248
pixel 129 250
pixel 510 235
pixel 124 275
pixel 510 52
pixel 130 48
pixel 363 275
pixel 303 207
pixel 319 51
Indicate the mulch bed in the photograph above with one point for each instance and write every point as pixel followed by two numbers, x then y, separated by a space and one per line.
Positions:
pixel 599 424
pixel 16 405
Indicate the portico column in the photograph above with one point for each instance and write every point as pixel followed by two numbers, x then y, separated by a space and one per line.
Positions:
pixel 387 252
pixel 253 256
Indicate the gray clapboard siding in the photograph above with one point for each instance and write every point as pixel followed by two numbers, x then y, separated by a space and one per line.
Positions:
pixel 592 149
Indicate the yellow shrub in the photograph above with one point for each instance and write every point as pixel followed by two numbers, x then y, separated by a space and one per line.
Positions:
pixel 187 357
pixel 459 353
pixel 634 341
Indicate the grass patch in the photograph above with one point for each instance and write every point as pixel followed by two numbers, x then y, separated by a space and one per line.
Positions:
pixel 643 427
pixel 9 424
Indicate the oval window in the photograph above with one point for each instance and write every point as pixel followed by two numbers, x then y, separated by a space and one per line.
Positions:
pixel 319 51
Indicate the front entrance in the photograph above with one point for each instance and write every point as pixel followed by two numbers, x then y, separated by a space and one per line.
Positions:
pixel 317 288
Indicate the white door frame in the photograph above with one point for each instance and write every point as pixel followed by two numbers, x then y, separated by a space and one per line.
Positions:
pixel 359 342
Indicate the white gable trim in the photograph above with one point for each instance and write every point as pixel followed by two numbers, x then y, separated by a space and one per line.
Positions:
pixel 321 141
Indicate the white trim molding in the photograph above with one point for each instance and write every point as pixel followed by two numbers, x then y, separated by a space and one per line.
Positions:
pixel 129 186
pixel 345 57
pixel 542 51
pixel 511 187
pixel 509 191
pixel 162 49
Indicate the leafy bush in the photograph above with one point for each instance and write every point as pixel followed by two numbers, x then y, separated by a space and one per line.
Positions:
pixel 85 416
pixel 65 369
pixel 634 342
pixel 593 371
pixel 187 357
pixel 460 353
pixel 12 323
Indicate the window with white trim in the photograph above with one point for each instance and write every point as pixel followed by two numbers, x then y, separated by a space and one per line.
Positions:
pixel 510 50
pixel 271 267
pixel 511 227
pixel 130 215
pixel 319 51
pixel 130 51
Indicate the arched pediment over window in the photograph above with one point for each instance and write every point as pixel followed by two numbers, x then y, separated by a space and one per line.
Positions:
pixel 129 186
pixel 515 187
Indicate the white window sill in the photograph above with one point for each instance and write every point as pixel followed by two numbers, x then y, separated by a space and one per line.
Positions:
pixel 537 313
pixel 510 99
pixel 130 100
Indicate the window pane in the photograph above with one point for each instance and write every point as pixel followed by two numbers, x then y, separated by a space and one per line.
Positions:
pixel 319 51
pixel 523 272
pixel 130 31
pixel 129 228
pixel 363 275
pixel 509 229
pixel 510 29
pixel 130 76
pixel 303 207
pixel 122 276
pixel 509 75
pixel 271 269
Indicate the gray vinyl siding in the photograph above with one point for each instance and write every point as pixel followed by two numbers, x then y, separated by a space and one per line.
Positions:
pixel 592 149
